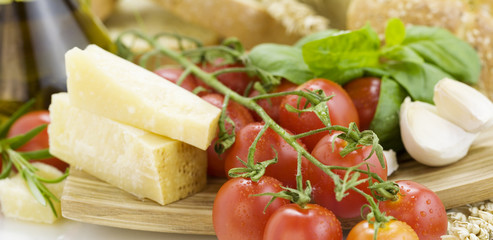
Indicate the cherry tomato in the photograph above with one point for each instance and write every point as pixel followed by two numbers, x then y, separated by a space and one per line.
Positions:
pixel 28 122
pixel 236 81
pixel 173 75
pixel 365 93
pixel 419 207
pixel 284 170
pixel 272 105
pixel 392 230
pixel 341 110
pixel 238 215
pixel 323 185
pixel 311 222
pixel 240 116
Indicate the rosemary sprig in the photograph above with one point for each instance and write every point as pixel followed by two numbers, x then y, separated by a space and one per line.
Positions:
pixel 21 160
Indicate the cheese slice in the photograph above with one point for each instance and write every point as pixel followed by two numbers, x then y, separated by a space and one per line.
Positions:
pixel 18 202
pixel 139 162
pixel 110 86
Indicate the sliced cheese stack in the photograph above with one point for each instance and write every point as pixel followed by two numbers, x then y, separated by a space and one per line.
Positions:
pixel 110 86
pixel 142 163
pixel 18 202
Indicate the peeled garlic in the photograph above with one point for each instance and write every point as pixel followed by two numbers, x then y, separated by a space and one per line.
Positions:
pixel 429 138
pixel 392 164
pixel 463 105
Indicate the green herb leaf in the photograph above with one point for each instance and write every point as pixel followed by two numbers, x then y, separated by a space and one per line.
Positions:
pixel 281 60
pixel 316 36
pixel 4 129
pixel 385 123
pixel 441 48
pixel 344 56
pixel 419 80
pixel 395 32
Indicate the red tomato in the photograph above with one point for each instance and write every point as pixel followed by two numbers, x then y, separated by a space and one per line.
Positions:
pixel 238 215
pixel 365 93
pixel 323 185
pixel 272 107
pixel 341 110
pixel 390 231
pixel 240 116
pixel 236 81
pixel 286 167
pixel 173 74
pixel 419 207
pixel 28 122
pixel 311 222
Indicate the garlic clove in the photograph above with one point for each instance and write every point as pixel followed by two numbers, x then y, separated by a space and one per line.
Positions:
pixel 429 138
pixel 463 105
pixel 392 164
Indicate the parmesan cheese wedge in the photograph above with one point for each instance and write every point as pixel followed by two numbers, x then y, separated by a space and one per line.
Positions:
pixel 107 85
pixel 18 202
pixel 142 163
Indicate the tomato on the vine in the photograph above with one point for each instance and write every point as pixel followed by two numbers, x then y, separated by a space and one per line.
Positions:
pixel 391 230
pixel 419 207
pixel 365 93
pixel 238 215
pixel 240 116
pixel 270 142
pixel 28 122
pixel 236 81
pixel 173 75
pixel 341 110
pixel 323 185
pixel 310 222
pixel 272 105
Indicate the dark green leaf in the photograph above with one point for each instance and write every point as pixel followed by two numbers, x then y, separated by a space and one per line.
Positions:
pixel 419 80
pixel 441 48
pixel 4 129
pixel 385 123
pixel 35 155
pixel 24 138
pixel 281 60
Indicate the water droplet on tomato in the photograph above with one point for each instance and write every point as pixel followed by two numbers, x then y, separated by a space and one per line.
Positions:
pixel 428 201
pixel 422 213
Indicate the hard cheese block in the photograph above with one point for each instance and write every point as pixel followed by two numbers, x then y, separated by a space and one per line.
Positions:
pixel 18 202
pixel 110 86
pixel 139 162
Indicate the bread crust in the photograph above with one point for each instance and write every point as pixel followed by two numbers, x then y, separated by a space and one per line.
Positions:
pixel 470 20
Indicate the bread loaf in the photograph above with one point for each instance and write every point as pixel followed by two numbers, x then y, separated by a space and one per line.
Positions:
pixel 251 21
pixel 470 20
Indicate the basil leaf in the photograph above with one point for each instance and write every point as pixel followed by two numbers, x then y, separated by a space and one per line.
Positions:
pixel 441 48
pixel 418 79
pixel 395 32
pixel 385 123
pixel 401 53
pixel 281 60
pixel 341 57
pixel 316 36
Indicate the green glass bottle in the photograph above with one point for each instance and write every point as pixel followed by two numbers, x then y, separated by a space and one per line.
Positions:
pixel 34 36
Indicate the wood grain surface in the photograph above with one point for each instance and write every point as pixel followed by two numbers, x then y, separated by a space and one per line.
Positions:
pixel 88 199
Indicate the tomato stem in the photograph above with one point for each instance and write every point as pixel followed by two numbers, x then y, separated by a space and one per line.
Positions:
pixel 351 134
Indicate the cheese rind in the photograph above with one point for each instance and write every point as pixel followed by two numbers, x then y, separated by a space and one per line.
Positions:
pixel 107 85
pixel 139 162
pixel 18 202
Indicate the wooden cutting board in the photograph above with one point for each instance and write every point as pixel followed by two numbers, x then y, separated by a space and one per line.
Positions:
pixel 88 199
